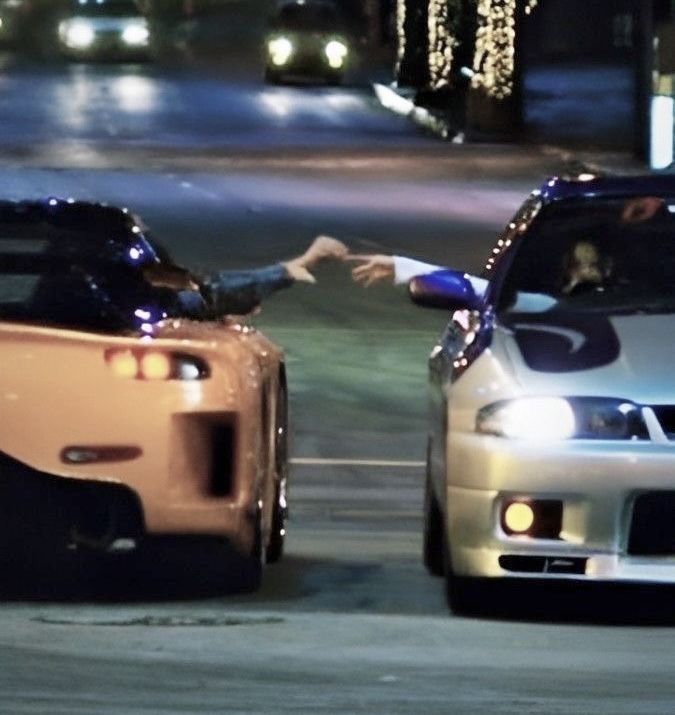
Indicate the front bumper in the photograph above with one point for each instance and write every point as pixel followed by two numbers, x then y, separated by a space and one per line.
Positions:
pixel 618 509
pixel 107 46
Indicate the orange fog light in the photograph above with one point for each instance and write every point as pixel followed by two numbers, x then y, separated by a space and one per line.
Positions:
pixel 155 366
pixel 518 517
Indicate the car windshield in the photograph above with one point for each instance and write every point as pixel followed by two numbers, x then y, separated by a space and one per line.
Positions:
pixel 57 275
pixel 317 17
pixel 610 255
pixel 105 8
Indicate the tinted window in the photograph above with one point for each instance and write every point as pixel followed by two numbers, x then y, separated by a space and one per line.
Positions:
pixel 62 269
pixel 317 17
pixel 613 255
pixel 110 8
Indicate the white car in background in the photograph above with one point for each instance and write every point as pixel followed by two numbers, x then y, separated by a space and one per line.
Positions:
pixel 551 451
pixel 105 29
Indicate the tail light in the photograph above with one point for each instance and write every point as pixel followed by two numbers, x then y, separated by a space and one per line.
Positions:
pixel 152 364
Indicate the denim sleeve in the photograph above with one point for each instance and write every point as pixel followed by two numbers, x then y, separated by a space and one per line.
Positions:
pixel 240 292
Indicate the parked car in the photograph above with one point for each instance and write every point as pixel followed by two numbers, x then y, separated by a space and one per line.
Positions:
pixel 551 450
pixel 120 417
pixel 105 29
pixel 306 40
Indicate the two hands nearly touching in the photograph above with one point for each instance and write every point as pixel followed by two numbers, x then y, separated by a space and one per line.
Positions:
pixel 367 268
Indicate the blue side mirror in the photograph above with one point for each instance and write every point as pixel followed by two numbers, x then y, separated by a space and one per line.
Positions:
pixel 446 289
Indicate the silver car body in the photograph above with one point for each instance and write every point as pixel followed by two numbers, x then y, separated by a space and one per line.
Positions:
pixel 613 499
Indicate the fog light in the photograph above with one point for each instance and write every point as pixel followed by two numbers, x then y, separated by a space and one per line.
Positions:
pixel 535 518
pixel 518 517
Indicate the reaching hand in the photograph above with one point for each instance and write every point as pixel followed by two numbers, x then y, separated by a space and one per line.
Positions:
pixel 372 268
pixel 321 248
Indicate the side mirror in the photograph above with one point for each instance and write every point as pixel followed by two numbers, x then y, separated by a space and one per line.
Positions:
pixel 446 289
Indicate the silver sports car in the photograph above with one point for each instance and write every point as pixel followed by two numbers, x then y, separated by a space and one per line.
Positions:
pixel 551 451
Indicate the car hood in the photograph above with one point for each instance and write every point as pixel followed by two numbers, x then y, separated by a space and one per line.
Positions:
pixel 575 354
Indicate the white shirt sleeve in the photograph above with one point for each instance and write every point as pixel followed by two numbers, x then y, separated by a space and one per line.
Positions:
pixel 406 269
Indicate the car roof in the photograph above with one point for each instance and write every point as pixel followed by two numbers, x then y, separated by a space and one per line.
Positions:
pixel 71 214
pixel 589 186
pixel 82 228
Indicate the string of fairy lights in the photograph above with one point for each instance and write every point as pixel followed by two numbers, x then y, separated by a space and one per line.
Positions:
pixel 400 33
pixel 442 40
pixel 494 53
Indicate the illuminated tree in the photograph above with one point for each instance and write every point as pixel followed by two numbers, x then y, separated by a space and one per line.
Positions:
pixel 494 102
pixel 494 61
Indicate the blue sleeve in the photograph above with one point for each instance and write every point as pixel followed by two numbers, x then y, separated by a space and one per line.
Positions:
pixel 240 292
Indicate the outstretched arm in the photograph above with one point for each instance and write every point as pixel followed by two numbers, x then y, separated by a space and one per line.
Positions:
pixel 240 291
pixel 376 267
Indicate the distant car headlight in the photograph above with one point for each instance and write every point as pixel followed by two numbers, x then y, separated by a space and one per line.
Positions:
pixel 558 418
pixel 280 50
pixel 336 52
pixel 136 34
pixel 77 34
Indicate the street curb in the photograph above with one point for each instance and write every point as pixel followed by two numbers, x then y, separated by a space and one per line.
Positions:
pixel 401 101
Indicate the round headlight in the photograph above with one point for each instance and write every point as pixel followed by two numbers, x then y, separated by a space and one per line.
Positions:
pixel 79 35
pixel 336 52
pixel 280 50
pixel 136 34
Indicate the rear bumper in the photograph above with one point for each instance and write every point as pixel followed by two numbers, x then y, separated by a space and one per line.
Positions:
pixel 44 508
pixel 97 513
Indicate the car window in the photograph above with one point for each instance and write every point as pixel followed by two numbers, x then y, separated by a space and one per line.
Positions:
pixel 108 8
pixel 76 276
pixel 317 18
pixel 613 255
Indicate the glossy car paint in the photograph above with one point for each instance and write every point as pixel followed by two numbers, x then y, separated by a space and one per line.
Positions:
pixel 598 481
pixel 155 437
pixel 58 391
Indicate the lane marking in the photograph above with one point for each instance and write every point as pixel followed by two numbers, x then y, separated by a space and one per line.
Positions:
pixel 317 461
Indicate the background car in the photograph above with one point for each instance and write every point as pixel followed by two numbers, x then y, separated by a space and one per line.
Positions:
pixel 306 40
pixel 551 450
pixel 105 29
pixel 122 419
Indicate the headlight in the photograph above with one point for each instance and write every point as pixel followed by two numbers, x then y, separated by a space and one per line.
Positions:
pixel 557 418
pixel 77 34
pixel 136 34
pixel 280 50
pixel 336 52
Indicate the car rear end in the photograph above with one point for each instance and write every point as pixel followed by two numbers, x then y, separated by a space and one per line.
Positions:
pixel 150 437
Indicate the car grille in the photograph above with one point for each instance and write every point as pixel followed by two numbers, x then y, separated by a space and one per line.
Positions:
pixel 652 530
pixel 666 417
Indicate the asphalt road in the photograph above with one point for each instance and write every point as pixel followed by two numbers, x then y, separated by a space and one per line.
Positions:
pixel 348 622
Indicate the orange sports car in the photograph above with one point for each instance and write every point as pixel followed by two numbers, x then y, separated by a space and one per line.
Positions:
pixel 124 410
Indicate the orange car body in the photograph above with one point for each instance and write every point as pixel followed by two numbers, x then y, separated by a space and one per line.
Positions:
pixel 65 412
pixel 120 428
